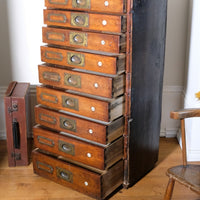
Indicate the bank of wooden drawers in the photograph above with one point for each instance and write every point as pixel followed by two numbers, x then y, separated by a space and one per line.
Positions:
pixel 81 113
pixel 96 132
pixel 96 184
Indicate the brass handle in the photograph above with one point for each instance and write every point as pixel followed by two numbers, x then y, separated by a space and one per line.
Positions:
pixel 64 174
pixel 81 2
pixel 78 39
pixel 80 20
pixel 72 80
pixel 67 124
pixel 70 102
pixel 66 148
pixel 75 59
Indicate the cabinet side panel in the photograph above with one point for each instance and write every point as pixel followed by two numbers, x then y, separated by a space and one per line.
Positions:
pixel 149 27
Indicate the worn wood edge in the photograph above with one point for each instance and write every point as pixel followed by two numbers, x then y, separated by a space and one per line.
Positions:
pixel 185 113
pixel 10 88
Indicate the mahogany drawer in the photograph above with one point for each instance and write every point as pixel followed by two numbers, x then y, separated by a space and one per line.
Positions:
pixel 100 157
pixel 84 40
pixel 80 127
pixel 95 184
pixel 111 6
pixel 104 110
pixel 87 21
pixel 87 61
pixel 82 82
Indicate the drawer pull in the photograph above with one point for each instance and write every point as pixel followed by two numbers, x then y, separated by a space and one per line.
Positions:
pixel 44 167
pixel 78 38
pixel 66 147
pixel 70 102
pixel 72 80
pixel 81 4
pixel 58 2
pixel 76 59
pixel 81 20
pixel 65 174
pixel 68 124
pixel 45 141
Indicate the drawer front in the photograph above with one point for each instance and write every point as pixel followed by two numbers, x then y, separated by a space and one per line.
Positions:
pixel 86 61
pixel 97 22
pixel 113 6
pixel 67 174
pixel 85 40
pixel 88 107
pixel 69 148
pixel 81 82
pixel 73 125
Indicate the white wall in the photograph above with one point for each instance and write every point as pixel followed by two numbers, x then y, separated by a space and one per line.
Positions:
pixel 193 84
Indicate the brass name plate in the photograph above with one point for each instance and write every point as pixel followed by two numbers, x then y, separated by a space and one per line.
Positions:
pixel 66 147
pixel 49 98
pixel 85 4
pixel 51 55
pixel 69 102
pixel 76 59
pixel 72 80
pixel 45 141
pixel 51 76
pixel 44 167
pixel 64 174
pixel 78 39
pixel 80 20
pixel 47 118
pixel 57 17
pixel 60 37
pixel 58 2
pixel 68 124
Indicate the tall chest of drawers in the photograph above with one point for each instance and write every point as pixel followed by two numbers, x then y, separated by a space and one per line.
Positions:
pixel 100 100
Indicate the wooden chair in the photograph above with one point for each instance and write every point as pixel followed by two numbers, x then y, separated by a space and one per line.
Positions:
pixel 186 174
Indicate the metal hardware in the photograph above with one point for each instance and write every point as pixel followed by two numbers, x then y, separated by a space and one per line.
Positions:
pixel 59 18
pixel 68 124
pixel 103 42
pixel 51 55
pixel 96 85
pixel 47 118
pixel 86 4
pixel 80 20
pixel 78 38
pixel 72 80
pixel 45 167
pixel 56 2
pixel 66 147
pixel 100 64
pixel 14 107
pixel 55 36
pixel 106 3
pixel 90 131
pixel 86 183
pixel 49 98
pixel 104 22
pixel 89 155
pixel 70 103
pixel 93 109
pixel 64 174
pixel 51 76
pixel 45 141
pixel 76 59
pixel 16 156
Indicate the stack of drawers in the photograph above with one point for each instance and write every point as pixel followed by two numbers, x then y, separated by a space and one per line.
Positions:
pixel 79 136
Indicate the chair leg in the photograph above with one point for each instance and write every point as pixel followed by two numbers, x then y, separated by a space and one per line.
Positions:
pixel 169 190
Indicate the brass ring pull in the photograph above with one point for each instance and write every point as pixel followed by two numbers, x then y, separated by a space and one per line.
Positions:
pixel 67 124
pixel 76 59
pixel 78 39
pixel 79 20
pixel 70 102
pixel 81 2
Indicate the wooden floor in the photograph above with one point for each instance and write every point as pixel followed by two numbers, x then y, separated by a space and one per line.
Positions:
pixel 20 183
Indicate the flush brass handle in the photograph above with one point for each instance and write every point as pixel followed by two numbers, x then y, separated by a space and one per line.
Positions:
pixel 75 59
pixel 78 39
pixel 80 20
pixel 81 2
pixel 64 174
